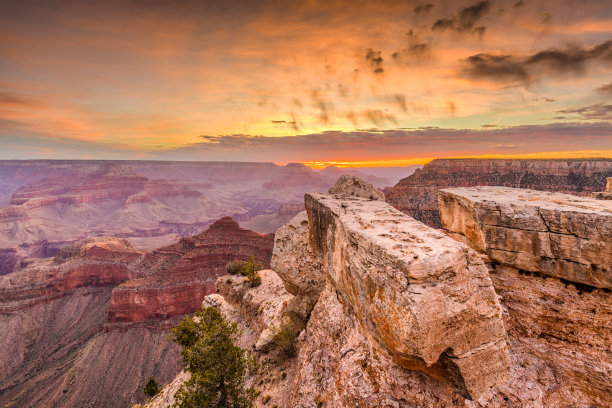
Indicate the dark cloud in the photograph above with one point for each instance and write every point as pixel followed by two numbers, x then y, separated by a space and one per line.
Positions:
pixel 505 68
pixel 488 126
pixel 323 105
pixel 599 111
pixel 375 60
pixel 519 4
pixel 423 8
pixel 400 101
pixel 379 118
pixel 464 20
pixel 396 143
pixel 605 89
pixel 7 98
pixel 509 68
pixel 415 47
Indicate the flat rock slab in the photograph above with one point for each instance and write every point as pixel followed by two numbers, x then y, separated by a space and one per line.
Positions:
pixel 556 234
pixel 420 295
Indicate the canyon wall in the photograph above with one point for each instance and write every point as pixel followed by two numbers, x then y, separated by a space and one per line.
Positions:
pixel 392 313
pixel 417 195
pixel 179 286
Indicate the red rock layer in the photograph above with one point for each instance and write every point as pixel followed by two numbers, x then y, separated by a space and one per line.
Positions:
pixel 92 262
pixel 417 195
pixel 185 272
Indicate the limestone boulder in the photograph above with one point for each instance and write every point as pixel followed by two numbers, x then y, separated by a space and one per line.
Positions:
pixel 556 234
pixel 351 186
pixel 422 297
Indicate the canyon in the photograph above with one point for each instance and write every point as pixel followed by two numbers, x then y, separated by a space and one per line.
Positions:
pixel 89 326
pixel 100 259
pixel 496 310
pixel 47 204
pixel 417 194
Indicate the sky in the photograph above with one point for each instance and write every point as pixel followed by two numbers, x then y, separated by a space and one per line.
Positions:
pixel 363 82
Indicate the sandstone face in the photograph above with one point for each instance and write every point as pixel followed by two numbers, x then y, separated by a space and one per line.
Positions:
pixel 74 335
pixel 417 195
pixel 351 186
pixel 560 337
pixel 295 262
pixel 557 234
pixel 338 366
pixel 419 295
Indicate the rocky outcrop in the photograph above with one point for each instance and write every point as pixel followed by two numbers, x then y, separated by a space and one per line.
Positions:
pixel 390 296
pixel 549 260
pixel 417 195
pixel 180 275
pixel 351 186
pixel 604 195
pixel 419 295
pixel 556 234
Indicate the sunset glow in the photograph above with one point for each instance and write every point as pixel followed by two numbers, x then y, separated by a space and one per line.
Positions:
pixel 196 80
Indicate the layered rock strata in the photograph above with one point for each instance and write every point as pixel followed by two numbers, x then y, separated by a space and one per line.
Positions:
pixel 417 195
pixel 556 234
pixel 180 275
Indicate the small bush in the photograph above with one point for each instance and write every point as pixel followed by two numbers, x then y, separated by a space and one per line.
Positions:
pixel 250 269
pixel 234 267
pixel 266 399
pixel 152 388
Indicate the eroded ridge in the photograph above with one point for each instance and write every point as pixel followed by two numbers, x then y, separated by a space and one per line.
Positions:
pixel 556 234
pixel 417 294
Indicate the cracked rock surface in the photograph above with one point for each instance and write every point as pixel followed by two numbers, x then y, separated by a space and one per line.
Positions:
pixel 417 294
pixel 557 234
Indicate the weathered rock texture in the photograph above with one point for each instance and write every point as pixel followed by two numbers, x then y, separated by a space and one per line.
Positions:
pixel 604 195
pixel 351 186
pixel 353 350
pixel 295 262
pixel 419 294
pixel 417 195
pixel 557 234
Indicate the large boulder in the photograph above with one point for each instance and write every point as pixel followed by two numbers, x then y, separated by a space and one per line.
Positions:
pixel 351 186
pixel 556 234
pixel 418 295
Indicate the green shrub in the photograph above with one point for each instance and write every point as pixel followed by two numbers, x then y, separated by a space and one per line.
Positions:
pixel 251 269
pixel 151 388
pixel 218 368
